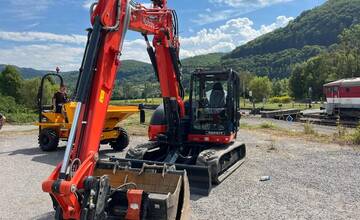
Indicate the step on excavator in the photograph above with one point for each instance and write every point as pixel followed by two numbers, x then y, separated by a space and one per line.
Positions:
pixel 196 138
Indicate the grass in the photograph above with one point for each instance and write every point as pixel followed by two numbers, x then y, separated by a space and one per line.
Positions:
pixel 267 125
pixel 355 137
pixel 276 106
pixel 133 126
pixel 150 101
pixel 309 129
pixel 350 138
pixel 21 118
pixel 246 104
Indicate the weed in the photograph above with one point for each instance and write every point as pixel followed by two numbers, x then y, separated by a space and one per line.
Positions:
pixel 309 129
pixel 355 137
pixel 341 131
pixel 133 126
pixel 267 125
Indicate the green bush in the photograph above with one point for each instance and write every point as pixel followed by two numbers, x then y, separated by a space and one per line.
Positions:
pixel 261 88
pixel 15 113
pixel 355 137
pixel 21 118
pixel 309 129
pixel 280 99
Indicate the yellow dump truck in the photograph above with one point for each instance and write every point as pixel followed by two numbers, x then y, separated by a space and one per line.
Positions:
pixel 55 126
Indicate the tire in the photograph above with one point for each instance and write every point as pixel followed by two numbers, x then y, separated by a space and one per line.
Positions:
pixel 121 142
pixel 58 213
pixel 48 140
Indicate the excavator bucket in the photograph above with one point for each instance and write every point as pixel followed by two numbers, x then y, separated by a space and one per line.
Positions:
pixel 199 176
pixel 158 191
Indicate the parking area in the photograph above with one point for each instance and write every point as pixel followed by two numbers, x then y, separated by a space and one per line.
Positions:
pixel 309 180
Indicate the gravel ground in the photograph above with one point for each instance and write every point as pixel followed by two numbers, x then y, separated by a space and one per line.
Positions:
pixel 294 126
pixel 308 180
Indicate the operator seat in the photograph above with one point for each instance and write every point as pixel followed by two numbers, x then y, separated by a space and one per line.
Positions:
pixel 217 96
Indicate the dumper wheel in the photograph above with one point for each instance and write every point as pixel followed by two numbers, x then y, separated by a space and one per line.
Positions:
pixel 121 142
pixel 48 140
pixel 58 213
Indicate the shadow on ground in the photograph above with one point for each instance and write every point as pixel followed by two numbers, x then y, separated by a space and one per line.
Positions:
pixel 51 158
pixel 54 157
pixel 45 216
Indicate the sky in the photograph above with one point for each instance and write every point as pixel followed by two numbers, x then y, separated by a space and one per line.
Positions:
pixel 44 34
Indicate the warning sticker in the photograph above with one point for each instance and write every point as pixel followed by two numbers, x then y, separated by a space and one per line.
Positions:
pixel 102 96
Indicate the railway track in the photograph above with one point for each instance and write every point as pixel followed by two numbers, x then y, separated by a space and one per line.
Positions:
pixel 310 116
pixel 323 120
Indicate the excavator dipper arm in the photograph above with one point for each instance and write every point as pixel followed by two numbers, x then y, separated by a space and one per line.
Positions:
pixel 111 19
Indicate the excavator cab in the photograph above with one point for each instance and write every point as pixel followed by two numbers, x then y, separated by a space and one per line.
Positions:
pixel 208 150
pixel 214 105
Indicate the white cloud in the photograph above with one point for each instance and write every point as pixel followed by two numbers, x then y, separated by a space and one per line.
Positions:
pixel 232 9
pixel 88 3
pixel 48 56
pixel 227 37
pixel 42 37
pixel 247 3
pixel 135 50
pixel 211 17
pixel 67 51
pixel 45 57
pixel 26 9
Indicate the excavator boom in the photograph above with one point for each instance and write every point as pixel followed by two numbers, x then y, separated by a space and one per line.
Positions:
pixel 196 138
pixel 110 21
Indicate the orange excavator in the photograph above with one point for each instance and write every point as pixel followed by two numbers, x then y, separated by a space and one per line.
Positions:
pixel 194 138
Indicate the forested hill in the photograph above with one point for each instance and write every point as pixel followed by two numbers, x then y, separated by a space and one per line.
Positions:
pixel 26 73
pixel 312 33
pixel 130 71
pixel 319 26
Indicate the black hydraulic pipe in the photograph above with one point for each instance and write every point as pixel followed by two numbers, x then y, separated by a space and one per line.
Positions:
pixel 175 62
pixel 90 61
pixel 152 56
pixel 83 60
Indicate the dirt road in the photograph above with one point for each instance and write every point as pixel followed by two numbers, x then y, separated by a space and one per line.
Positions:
pixel 309 180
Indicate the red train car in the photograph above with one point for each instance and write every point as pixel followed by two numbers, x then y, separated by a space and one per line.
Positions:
pixel 343 97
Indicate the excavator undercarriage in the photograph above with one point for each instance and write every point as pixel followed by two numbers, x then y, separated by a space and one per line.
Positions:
pixel 209 165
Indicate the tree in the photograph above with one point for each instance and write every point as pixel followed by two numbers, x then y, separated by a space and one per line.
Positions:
pixel 280 87
pixel 245 78
pixel 350 46
pixel 341 61
pixel 29 92
pixel 261 88
pixel 11 82
pixel 147 91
